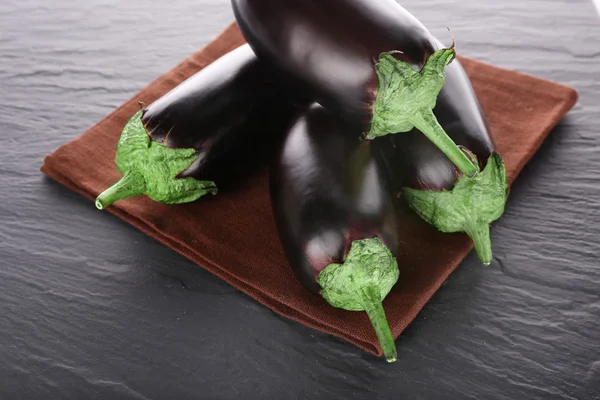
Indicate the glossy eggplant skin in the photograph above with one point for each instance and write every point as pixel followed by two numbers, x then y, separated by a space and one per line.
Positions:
pixel 329 49
pixel 327 190
pixel 233 112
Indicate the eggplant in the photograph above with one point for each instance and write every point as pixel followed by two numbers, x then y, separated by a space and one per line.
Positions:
pixel 370 61
pixel 210 132
pixel 437 191
pixel 335 216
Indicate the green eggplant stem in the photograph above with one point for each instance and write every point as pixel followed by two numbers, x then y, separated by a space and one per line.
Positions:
pixel 480 235
pixel 406 99
pixel 428 124
pixel 361 283
pixel 130 185
pixel 374 309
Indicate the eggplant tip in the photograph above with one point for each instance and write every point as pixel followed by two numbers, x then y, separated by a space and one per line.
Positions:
pixel 453 46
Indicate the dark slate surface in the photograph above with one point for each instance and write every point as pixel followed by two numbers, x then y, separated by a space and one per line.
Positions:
pixel 90 308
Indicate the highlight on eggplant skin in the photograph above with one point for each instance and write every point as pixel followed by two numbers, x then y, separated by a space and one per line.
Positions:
pixel 334 213
pixel 372 62
pixel 212 132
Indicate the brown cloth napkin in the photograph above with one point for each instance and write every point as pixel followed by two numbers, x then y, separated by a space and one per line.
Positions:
pixel 233 235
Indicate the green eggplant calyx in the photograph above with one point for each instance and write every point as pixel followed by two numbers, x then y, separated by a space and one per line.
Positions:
pixel 470 207
pixel 361 283
pixel 406 98
pixel 150 168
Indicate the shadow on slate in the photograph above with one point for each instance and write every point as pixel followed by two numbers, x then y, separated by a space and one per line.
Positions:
pixel 233 234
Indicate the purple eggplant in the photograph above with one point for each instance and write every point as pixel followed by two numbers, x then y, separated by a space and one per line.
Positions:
pixel 335 217
pixel 212 131
pixel 370 61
